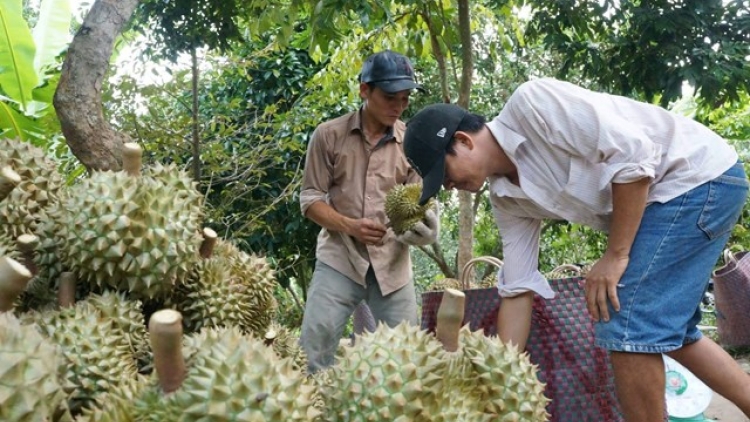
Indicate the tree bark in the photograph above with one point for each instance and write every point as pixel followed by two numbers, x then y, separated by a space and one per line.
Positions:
pixel 78 99
pixel 465 201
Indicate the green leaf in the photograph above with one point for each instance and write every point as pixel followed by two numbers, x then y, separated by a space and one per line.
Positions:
pixel 17 76
pixel 14 124
pixel 51 33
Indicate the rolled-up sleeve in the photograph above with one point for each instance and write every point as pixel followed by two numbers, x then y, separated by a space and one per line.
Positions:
pixel 318 172
pixel 520 274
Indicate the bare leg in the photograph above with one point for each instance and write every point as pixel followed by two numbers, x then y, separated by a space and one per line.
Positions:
pixel 640 381
pixel 514 319
pixel 716 368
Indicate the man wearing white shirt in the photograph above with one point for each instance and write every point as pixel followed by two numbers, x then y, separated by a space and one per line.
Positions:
pixel 666 189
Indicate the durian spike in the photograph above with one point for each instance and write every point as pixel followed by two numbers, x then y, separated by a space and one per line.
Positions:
pixel 450 317
pixel 165 328
pixel 208 244
pixel 9 179
pixel 66 295
pixel 27 244
pixel 131 159
pixel 13 279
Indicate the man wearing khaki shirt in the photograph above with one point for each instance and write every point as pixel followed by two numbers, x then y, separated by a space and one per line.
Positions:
pixel 352 162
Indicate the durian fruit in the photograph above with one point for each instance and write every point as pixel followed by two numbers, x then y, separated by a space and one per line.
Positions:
pixel 231 288
pixel 393 374
pixel 30 387
pixel 233 376
pixel 402 207
pixel 42 289
pixel 220 375
pixel 445 283
pixel 8 247
pixel 132 233
pixel 121 403
pixel 492 381
pixel 20 211
pixel 97 353
pixel 9 179
pixel 126 314
pixel 286 345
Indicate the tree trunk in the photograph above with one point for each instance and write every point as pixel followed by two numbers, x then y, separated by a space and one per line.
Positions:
pixel 196 137
pixel 465 200
pixel 78 99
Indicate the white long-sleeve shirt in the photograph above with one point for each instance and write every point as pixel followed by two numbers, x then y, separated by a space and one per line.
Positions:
pixel 569 145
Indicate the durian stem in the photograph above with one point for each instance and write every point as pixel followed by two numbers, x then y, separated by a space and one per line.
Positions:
pixel 9 179
pixel 131 159
pixel 27 244
pixel 13 279
pixel 165 328
pixel 450 316
pixel 270 337
pixel 66 294
pixel 209 242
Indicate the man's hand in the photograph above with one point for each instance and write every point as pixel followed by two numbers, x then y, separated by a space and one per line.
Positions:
pixel 424 232
pixel 601 284
pixel 367 231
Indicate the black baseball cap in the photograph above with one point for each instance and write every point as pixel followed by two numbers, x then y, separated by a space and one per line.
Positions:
pixel 390 71
pixel 427 137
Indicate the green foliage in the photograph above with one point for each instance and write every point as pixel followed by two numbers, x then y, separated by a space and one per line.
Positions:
pixel 650 49
pixel 29 69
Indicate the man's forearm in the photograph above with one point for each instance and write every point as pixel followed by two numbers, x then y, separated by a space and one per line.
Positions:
pixel 628 204
pixel 325 216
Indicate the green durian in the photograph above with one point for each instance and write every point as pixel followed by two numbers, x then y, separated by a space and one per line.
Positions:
pixel 97 352
pixel 445 283
pixel 30 365
pixel 20 211
pixel 491 381
pixel 402 207
pixel 392 374
pixel 138 234
pixel 231 288
pixel 286 345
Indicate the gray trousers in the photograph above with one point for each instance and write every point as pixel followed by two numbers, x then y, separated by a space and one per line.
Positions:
pixel 331 301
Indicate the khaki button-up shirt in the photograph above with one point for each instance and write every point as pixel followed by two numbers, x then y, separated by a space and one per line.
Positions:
pixel 343 170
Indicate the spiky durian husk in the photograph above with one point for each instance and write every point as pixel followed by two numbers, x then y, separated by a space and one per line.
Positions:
pixel 286 345
pixel 120 403
pixel 445 283
pixel 232 288
pixel 492 381
pixel 127 315
pixel 30 387
pixel 41 291
pixel 135 234
pixel 393 374
pixel 402 207
pixel 39 187
pixel 234 377
pixel 8 247
pixel 96 351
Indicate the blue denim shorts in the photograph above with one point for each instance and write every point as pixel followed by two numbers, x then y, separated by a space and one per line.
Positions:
pixel 677 246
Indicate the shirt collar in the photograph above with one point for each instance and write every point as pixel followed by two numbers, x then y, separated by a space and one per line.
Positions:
pixel 355 123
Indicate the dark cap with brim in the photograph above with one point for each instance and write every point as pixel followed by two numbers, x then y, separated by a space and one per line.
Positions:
pixel 390 71
pixel 427 137
pixel 394 86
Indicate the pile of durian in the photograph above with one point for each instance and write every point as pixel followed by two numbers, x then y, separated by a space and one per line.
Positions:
pixel 116 305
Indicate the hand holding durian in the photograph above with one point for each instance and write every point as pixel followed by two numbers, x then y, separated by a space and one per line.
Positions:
pixel 423 232
pixel 413 224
